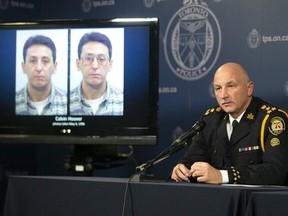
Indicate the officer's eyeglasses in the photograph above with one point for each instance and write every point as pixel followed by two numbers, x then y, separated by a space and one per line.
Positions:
pixel 89 59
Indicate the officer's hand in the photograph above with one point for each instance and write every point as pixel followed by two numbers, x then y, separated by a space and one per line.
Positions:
pixel 205 173
pixel 180 173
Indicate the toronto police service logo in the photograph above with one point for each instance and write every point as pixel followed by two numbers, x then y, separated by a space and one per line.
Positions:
pixel 192 40
pixel 286 88
pixel 4 4
pixel 254 39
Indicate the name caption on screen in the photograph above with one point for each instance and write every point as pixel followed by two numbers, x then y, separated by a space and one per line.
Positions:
pixel 68 121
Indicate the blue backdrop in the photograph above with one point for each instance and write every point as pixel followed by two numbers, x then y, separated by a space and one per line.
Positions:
pixel 253 33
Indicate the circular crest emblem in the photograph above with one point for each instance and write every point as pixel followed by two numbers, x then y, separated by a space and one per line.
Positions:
pixel 286 88
pixel 277 125
pixel 149 3
pixel 4 4
pixel 192 41
pixel 254 39
pixel 211 90
pixel 86 5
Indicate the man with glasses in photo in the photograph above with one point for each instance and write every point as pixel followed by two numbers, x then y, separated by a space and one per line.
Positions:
pixel 94 95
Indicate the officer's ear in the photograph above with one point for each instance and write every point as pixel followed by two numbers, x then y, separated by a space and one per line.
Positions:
pixel 250 88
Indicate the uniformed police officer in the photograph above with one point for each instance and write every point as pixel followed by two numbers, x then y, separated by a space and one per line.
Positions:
pixel 254 151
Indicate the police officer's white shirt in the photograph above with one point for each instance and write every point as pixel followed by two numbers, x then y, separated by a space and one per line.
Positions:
pixel 224 173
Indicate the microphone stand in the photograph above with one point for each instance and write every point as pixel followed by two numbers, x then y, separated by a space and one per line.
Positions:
pixel 174 147
pixel 181 142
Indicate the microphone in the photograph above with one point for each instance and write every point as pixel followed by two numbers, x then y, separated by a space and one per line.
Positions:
pixel 175 146
pixel 197 127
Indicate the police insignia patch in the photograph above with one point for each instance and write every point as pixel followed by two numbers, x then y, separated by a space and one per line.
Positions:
pixel 274 142
pixel 277 125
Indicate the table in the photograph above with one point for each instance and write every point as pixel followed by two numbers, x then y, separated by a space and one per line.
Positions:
pixel 75 196
pixel 268 203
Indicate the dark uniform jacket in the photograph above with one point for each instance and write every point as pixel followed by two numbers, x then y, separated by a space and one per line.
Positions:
pixel 257 152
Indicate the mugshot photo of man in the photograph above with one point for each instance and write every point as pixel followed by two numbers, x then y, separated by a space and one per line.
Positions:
pixel 40 96
pixel 95 95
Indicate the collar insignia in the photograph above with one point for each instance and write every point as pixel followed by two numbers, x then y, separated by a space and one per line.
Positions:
pixel 250 116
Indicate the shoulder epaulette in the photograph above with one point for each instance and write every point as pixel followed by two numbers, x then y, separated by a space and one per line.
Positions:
pixel 268 109
pixel 212 110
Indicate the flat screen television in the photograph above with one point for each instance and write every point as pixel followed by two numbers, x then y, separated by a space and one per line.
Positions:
pixel 133 74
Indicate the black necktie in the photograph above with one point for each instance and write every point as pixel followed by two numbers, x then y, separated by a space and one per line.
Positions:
pixel 234 125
